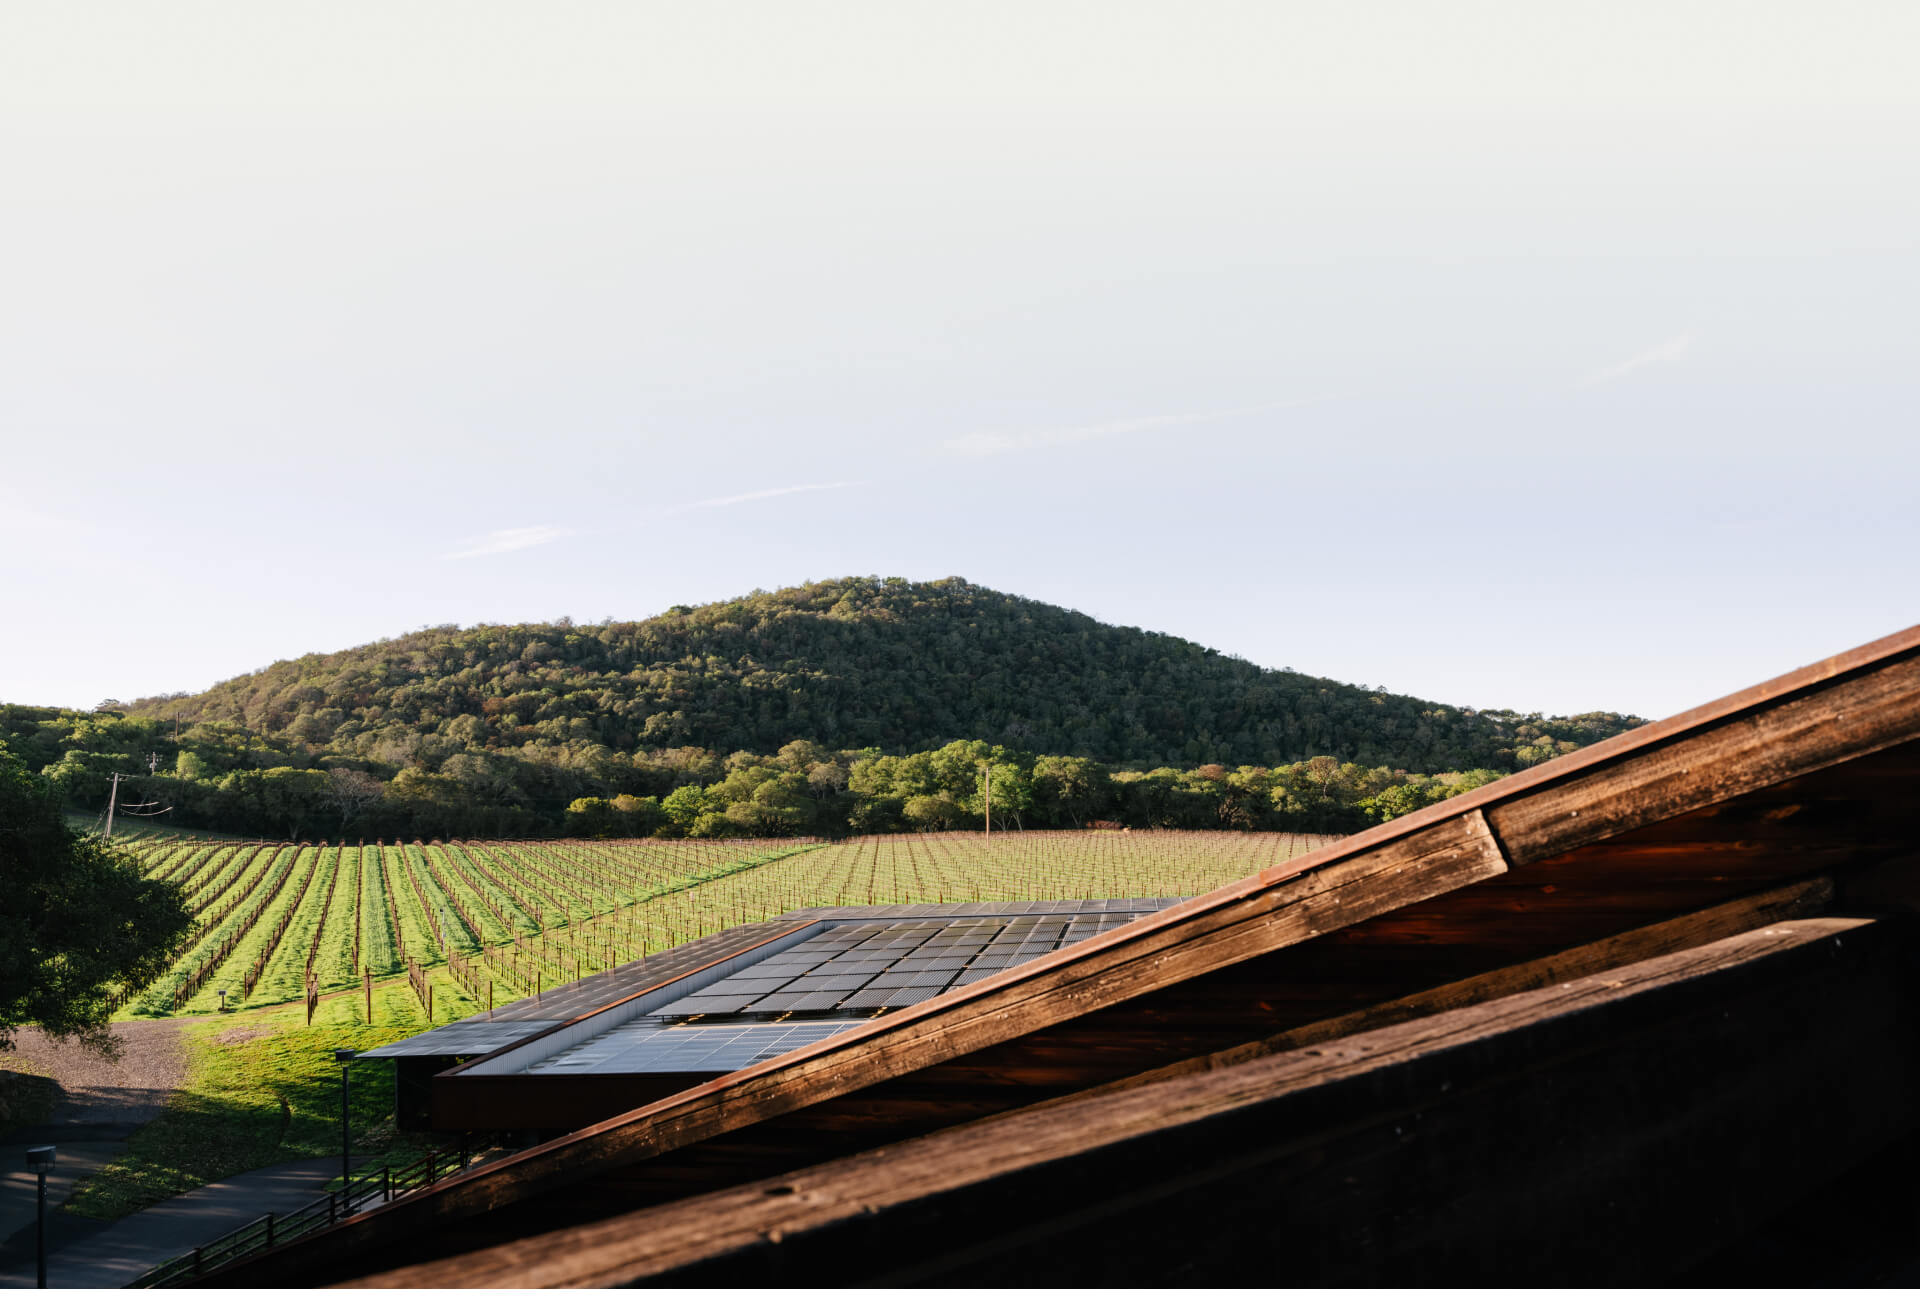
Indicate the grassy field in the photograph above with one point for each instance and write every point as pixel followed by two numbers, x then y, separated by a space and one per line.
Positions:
pixel 128 828
pixel 538 913
pixel 261 1089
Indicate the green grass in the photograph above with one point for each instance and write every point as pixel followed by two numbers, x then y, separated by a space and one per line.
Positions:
pixel 334 961
pixel 421 946
pixel 283 978
pixel 380 954
pixel 131 830
pixel 458 938
pixel 262 1089
pixel 470 866
pixel 645 895
pixel 281 865
pixel 462 888
pixel 206 868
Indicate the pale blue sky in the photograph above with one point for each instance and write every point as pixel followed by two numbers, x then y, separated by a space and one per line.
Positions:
pixel 1548 356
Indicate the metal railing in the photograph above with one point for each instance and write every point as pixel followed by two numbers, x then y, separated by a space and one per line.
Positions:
pixel 367 1189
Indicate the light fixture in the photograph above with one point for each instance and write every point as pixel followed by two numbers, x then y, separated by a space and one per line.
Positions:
pixel 40 1161
pixel 345 1057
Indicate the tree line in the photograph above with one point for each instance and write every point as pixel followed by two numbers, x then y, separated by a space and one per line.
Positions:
pixel 213 778
pixel 851 664
pixel 504 731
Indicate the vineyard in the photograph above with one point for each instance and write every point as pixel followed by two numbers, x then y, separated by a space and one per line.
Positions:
pixel 274 923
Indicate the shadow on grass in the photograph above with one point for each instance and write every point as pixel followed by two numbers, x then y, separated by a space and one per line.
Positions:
pixel 262 1088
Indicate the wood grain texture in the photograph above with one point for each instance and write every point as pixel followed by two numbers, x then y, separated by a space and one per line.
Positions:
pixel 749 1225
pixel 1786 903
pixel 1773 744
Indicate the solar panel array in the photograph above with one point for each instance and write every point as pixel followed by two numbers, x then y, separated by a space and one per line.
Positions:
pixel 646 1047
pixel 865 968
pixel 858 964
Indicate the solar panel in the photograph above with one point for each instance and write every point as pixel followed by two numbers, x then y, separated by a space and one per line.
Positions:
pixel 777 1002
pixel 743 985
pixel 818 1002
pixel 695 1004
pixel 870 998
pixel 903 953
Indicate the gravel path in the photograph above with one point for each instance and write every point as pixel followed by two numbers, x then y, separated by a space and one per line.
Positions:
pixel 102 1099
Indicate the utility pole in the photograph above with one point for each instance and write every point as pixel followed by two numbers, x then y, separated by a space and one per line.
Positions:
pixel 113 798
pixel 988 769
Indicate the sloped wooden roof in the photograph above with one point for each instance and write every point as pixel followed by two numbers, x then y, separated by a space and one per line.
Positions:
pixel 1754 795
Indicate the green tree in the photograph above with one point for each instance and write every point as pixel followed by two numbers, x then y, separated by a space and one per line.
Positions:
pixel 589 816
pixel 685 806
pixel 76 917
pixel 1067 789
pixel 933 812
pixel 637 815
pixel 1012 795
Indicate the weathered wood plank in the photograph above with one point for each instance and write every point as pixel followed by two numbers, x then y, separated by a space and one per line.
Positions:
pixel 1801 899
pixel 1778 742
pixel 1153 1173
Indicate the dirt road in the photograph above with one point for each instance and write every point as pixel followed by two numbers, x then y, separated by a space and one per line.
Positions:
pixel 102 1099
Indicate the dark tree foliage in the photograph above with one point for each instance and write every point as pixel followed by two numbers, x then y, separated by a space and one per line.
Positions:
pixel 764 706
pixel 849 664
pixel 76 917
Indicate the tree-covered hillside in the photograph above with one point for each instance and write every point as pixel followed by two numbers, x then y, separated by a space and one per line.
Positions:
pixel 850 664
pixel 497 730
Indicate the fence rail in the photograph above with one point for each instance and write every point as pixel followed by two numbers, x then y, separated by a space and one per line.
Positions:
pixel 362 1191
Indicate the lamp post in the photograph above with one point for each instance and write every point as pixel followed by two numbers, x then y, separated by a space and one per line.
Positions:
pixel 345 1057
pixel 40 1160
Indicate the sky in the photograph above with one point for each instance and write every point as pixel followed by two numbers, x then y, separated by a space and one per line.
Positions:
pixel 1548 357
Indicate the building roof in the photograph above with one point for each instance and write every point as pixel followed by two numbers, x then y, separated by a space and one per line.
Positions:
pixel 1685 832
pixel 600 1045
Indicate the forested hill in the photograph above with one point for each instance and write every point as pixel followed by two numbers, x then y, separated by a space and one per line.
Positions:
pixel 850 664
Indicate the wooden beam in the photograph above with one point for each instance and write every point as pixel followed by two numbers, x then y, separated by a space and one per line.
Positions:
pixel 1616 1128
pixel 1776 742
pixel 1801 899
